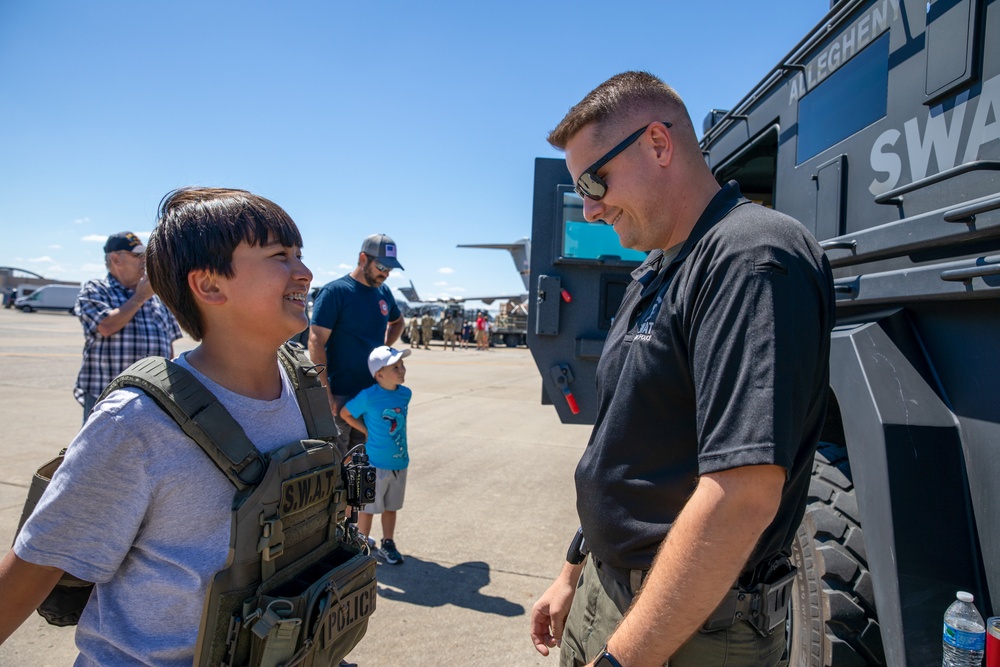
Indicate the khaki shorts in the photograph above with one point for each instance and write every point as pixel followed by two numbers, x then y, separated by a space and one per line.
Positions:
pixel 390 487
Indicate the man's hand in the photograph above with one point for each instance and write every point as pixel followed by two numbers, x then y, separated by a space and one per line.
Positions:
pixel 118 318
pixel 548 614
pixel 143 290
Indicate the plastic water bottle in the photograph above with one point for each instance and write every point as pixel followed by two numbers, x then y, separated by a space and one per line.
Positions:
pixel 964 636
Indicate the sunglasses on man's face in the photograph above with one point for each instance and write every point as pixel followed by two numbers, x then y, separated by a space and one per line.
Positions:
pixel 593 186
pixel 378 265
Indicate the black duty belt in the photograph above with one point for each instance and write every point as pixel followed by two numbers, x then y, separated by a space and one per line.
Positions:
pixel 759 597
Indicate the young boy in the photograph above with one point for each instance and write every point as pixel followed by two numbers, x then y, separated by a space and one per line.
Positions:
pixel 383 408
pixel 137 506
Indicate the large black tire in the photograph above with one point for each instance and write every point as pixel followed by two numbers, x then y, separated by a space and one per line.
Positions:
pixel 27 309
pixel 833 622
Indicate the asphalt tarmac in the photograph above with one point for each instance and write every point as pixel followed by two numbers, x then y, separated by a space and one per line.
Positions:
pixel 490 504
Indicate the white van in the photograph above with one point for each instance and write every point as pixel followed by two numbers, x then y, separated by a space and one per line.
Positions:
pixel 49 297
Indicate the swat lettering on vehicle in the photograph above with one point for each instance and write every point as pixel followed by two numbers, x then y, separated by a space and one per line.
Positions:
pixel 347 613
pixel 941 136
pixel 304 491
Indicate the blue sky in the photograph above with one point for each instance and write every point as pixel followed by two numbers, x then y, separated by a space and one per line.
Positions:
pixel 417 119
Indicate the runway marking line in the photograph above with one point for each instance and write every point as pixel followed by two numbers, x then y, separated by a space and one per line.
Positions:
pixel 38 354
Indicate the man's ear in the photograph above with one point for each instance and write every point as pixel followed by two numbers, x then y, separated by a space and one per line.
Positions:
pixel 205 286
pixel 663 143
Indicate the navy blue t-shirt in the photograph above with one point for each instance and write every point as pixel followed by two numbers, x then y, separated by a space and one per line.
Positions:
pixel 357 316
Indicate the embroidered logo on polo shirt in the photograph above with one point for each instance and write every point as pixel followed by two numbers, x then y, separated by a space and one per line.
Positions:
pixel 644 330
pixel 384 307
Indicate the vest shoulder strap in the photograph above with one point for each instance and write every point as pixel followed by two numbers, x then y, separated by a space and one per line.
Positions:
pixel 199 414
pixel 312 396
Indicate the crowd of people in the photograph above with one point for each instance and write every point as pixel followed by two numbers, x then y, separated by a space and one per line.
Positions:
pixel 456 330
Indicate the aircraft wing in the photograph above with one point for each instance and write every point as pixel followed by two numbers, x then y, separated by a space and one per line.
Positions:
pixel 410 294
pixel 520 298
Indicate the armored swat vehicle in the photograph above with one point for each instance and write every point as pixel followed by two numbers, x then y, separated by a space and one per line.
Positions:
pixel 880 131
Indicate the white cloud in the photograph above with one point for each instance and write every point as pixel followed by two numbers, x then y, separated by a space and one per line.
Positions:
pixel 55 247
pixel 441 283
pixel 344 267
pixel 144 236
pixel 446 269
pixel 45 259
pixel 456 290
pixel 81 221
pixel 95 238
pixel 93 269
pixel 397 276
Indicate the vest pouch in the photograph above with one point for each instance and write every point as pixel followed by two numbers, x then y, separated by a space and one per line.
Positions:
pixel 65 603
pixel 308 615
pixel 315 618
pixel 276 634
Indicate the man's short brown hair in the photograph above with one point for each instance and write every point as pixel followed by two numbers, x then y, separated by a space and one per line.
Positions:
pixel 621 95
pixel 199 228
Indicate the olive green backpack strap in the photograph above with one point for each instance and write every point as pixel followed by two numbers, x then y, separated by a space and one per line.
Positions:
pixel 310 392
pixel 199 414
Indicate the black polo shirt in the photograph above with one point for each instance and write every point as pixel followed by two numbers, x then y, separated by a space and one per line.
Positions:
pixel 717 360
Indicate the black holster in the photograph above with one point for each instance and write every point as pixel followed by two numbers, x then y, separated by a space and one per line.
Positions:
pixel 761 600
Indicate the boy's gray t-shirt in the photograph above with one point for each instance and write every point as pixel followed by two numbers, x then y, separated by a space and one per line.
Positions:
pixel 140 509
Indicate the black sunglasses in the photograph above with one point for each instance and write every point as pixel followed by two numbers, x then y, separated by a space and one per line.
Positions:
pixel 590 184
pixel 378 265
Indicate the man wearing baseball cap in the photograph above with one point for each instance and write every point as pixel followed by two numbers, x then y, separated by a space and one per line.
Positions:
pixel 123 321
pixel 351 317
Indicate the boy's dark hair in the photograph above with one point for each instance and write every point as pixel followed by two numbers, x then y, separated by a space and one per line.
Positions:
pixel 198 228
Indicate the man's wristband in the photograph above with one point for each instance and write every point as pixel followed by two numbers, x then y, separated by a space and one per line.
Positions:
pixel 576 552
pixel 605 659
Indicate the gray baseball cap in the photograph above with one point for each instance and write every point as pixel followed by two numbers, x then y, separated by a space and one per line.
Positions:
pixel 383 249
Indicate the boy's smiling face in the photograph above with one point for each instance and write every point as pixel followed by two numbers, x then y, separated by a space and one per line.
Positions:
pixel 268 289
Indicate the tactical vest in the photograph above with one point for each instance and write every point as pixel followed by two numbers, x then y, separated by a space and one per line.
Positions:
pixel 297 589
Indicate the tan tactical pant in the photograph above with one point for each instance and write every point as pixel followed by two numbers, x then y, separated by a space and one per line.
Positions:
pixel 593 617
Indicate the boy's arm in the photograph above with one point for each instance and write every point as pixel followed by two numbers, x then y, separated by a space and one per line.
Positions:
pixel 357 424
pixel 23 586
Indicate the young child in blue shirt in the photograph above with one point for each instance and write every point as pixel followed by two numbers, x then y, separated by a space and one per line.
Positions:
pixel 380 413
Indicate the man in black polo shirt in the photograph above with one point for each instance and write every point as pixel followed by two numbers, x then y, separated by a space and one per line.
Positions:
pixel 712 393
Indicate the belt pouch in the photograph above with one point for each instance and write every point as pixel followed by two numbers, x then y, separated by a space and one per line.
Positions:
pixel 772 608
pixel 764 605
